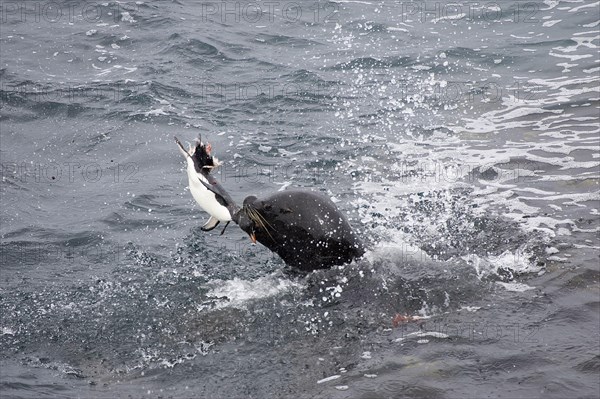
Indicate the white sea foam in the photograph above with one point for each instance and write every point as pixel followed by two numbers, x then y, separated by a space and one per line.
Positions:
pixel 589 5
pixel 551 23
pixel 517 262
pixel 7 331
pixel 470 308
pixel 237 292
pixel 327 379
pixel 515 287
pixel 396 29
pixel 449 17
pixel 421 334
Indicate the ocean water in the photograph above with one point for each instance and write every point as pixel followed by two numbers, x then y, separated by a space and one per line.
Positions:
pixel 462 140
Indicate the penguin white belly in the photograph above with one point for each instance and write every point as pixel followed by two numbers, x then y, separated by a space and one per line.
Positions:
pixel 205 198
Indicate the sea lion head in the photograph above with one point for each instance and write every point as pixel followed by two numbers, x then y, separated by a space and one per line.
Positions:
pixel 250 219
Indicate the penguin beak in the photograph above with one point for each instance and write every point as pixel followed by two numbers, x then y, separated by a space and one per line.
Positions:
pixel 181 148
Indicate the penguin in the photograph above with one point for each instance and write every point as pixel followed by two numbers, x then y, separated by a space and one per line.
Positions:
pixel 205 189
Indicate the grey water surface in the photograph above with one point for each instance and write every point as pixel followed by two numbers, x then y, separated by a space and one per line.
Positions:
pixel 460 139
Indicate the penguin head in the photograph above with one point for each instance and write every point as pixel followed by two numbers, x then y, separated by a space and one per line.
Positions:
pixel 200 154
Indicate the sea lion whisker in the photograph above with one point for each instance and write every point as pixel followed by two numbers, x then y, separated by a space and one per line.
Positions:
pixel 255 216
pixel 262 218
pixel 264 222
pixel 259 220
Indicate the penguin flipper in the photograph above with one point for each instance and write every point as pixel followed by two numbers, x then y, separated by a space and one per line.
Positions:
pixel 221 195
pixel 211 224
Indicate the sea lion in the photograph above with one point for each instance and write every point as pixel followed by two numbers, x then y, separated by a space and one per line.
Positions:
pixel 303 227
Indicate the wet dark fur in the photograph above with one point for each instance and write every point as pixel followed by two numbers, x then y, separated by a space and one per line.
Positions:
pixel 303 227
